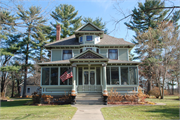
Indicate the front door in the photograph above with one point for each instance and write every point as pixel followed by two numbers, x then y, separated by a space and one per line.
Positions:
pixel 90 83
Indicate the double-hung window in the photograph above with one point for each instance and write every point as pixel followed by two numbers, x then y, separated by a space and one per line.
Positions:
pixel 67 54
pixel 113 54
pixel 88 38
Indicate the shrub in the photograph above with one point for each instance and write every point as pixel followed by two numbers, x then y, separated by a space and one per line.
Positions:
pixel 141 95
pixel 155 91
pixel 36 98
pixel 114 96
pixel 131 98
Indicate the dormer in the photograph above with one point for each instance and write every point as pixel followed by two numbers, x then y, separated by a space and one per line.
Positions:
pixel 89 34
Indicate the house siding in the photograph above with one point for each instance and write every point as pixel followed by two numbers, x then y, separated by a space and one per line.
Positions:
pixel 123 55
pixel 56 55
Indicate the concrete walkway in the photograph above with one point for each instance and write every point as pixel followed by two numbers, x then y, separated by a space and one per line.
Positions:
pixel 88 112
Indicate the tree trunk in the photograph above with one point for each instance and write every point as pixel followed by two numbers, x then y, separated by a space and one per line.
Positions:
pixel 26 65
pixel 18 87
pixel 12 94
pixel 172 87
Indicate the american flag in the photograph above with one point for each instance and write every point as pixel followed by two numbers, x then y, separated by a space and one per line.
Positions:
pixel 68 74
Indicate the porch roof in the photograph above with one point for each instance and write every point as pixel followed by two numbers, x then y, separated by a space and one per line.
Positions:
pixel 67 62
pixel 122 62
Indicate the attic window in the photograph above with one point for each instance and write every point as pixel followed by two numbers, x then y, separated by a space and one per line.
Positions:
pixel 88 38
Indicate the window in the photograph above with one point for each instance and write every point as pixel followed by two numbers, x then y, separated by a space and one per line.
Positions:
pixel 124 76
pixel 45 76
pixel 88 48
pixel 113 54
pixel 28 90
pixel 115 75
pixel 80 50
pixel 112 75
pixel 54 76
pixel 133 75
pixel 80 75
pixel 66 82
pixel 88 38
pixel 49 76
pixel 81 39
pixel 98 76
pixel 108 75
pixel 97 50
pixel 67 54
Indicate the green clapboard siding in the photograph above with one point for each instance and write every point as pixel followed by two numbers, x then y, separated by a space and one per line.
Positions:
pixel 123 54
pixel 76 52
pixel 56 55
pixel 103 52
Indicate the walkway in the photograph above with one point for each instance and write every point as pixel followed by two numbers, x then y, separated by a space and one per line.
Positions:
pixel 88 112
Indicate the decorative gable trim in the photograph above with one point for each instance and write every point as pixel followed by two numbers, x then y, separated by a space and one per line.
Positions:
pixel 98 29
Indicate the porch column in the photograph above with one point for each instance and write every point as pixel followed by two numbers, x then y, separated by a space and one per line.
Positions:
pixel 105 93
pixel 73 92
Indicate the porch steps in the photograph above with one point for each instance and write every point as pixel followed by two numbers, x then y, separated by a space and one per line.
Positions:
pixel 89 99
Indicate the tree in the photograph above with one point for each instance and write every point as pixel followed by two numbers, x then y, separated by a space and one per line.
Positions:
pixel 143 18
pixel 9 46
pixel 33 22
pixel 97 22
pixel 66 16
pixel 161 44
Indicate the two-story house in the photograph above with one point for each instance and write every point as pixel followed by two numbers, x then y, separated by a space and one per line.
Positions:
pixel 100 62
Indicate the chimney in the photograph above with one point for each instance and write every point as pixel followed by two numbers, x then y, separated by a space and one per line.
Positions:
pixel 58 31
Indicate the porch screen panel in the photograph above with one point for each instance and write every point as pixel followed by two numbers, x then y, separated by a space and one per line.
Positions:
pixel 63 70
pixel 86 77
pixel 114 75
pixel 70 81
pixel 45 76
pixel 98 76
pixel 54 76
pixel 133 75
pixel 108 75
pixel 80 75
pixel 124 76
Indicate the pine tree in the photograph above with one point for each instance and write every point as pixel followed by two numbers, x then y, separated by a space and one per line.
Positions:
pixel 66 16
pixel 33 22
pixel 9 47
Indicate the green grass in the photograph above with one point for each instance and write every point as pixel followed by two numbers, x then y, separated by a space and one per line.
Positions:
pixel 16 110
pixel 129 112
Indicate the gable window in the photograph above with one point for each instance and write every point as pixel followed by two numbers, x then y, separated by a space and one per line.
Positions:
pixel 81 39
pixel 67 54
pixel 88 48
pixel 113 54
pixel 88 38
pixel 28 90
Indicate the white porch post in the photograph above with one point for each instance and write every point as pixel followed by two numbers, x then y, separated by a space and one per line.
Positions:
pixel 105 93
pixel 73 92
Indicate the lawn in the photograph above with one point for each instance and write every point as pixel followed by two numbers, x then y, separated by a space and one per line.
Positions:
pixel 168 111
pixel 16 110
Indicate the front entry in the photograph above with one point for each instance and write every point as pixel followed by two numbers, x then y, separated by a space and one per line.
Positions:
pixel 90 80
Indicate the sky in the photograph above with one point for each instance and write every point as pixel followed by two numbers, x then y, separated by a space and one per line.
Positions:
pixel 109 10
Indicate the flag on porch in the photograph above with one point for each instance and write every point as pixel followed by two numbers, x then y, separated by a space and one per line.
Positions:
pixel 68 74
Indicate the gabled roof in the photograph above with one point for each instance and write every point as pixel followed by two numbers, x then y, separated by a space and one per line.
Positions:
pixel 91 24
pixel 89 54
